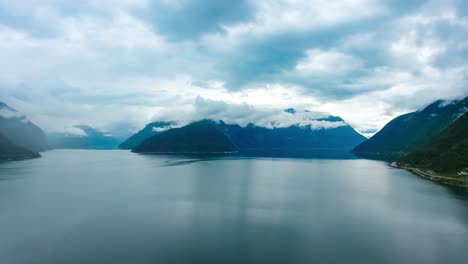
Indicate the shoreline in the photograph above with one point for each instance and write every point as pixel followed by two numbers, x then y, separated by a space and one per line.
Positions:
pixel 444 180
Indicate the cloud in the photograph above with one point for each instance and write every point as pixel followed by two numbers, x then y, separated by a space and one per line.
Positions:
pixel 161 129
pixel 112 64
pixel 301 15
pixel 9 113
pixel 73 132
pixel 327 63
pixel 321 124
pixel 244 114
pixel 181 19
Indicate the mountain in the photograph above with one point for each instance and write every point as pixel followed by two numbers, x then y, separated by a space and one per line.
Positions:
pixel 20 131
pixel 295 137
pixel 89 138
pixel 410 131
pixel 10 151
pixel 330 133
pixel 202 137
pixel 150 130
pixel 446 153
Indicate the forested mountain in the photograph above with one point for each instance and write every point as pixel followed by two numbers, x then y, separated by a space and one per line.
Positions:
pixel 446 152
pixel 410 131
pixel 148 131
pixel 10 151
pixel 210 136
pixel 202 137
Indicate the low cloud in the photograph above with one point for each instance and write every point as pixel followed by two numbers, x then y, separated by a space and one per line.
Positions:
pixel 244 114
pixel 8 113
pixel 73 132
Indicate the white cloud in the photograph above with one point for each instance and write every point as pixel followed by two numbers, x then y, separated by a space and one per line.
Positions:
pixel 123 31
pixel 321 124
pixel 415 51
pixel 303 15
pixel 244 114
pixel 327 63
pixel 8 113
pixel 286 16
pixel 72 132
pixel 103 62
pixel 161 129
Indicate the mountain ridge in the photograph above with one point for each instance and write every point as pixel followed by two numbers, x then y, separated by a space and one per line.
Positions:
pixel 10 151
pixel 444 158
pixel 410 131
pixel 251 139
pixel 201 137
pixel 20 131
pixel 446 152
pixel 149 130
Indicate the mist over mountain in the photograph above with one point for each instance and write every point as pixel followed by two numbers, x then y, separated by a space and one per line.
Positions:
pixel 20 131
pixel 148 131
pixel 410 131
pixel 233 131
pixel 334 134
pixel 285 129
pixel 88 138
pixel 306 134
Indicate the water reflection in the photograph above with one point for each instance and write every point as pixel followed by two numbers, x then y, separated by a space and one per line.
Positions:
pixel 119 207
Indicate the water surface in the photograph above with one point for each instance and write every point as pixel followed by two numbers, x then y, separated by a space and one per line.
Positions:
pixel 73 206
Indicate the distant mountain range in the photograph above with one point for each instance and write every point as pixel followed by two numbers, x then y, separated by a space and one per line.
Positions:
pixel 20 131
pixel 431 142
pixel 90 138
pixel 207 136
pixel 411 131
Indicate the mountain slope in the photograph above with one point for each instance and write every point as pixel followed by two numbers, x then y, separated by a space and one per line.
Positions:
pixel 150 130
pixel 20 131
pixel 295 137
pixel 90 139
pixel 445 153
pixel 411 131
pixel 255 140
pixel 202 137
pixel 10 151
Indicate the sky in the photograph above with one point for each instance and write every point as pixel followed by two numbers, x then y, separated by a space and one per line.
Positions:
pixel 117 65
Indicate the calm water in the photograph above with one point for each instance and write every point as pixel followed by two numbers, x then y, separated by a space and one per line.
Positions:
pixel 119 207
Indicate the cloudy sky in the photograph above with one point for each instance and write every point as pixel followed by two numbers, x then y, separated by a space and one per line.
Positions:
pixel 118 64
